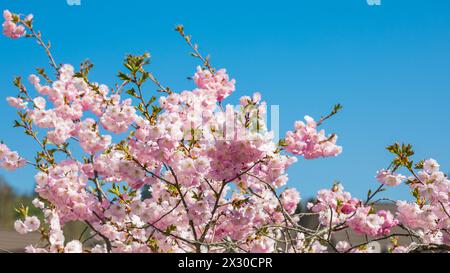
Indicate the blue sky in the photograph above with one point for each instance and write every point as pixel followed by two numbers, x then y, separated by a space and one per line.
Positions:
pixel 388 65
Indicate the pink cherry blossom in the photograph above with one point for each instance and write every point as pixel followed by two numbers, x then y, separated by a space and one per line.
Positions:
pixel 187 172
pixel 39 102
pixel 365 222
pixel 30 224
pixel 90 138
pixel 32 249
pixel 334 205
pixel 74 246
pixel 430 166
pixel 10 160
pixel 290 199
pixel 12 27
pixel 388 178
pixel 310 143
pixel 13 30
pixel 371 223
pixel 119 116
pixel 7 15
pixel 218 83
pixel 342 246
pixel 20 227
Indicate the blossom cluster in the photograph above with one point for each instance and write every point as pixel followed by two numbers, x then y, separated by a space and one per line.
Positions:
pixel 365 221
pixel 177 162
pixel 30 224
pixel 10 160
pixel 309 142
pixel 11 28
pixel 187 172
pixel 217 84
pixel 334 205
pixel 388 178
pixel 64 185
pixel 55 234
pixel 429 215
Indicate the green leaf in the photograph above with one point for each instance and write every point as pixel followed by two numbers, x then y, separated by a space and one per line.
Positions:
pixel 124 76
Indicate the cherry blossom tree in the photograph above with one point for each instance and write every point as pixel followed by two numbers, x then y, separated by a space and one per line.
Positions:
pixel 184 172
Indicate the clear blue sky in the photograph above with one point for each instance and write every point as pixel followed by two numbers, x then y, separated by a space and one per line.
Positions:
pixel 388 65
